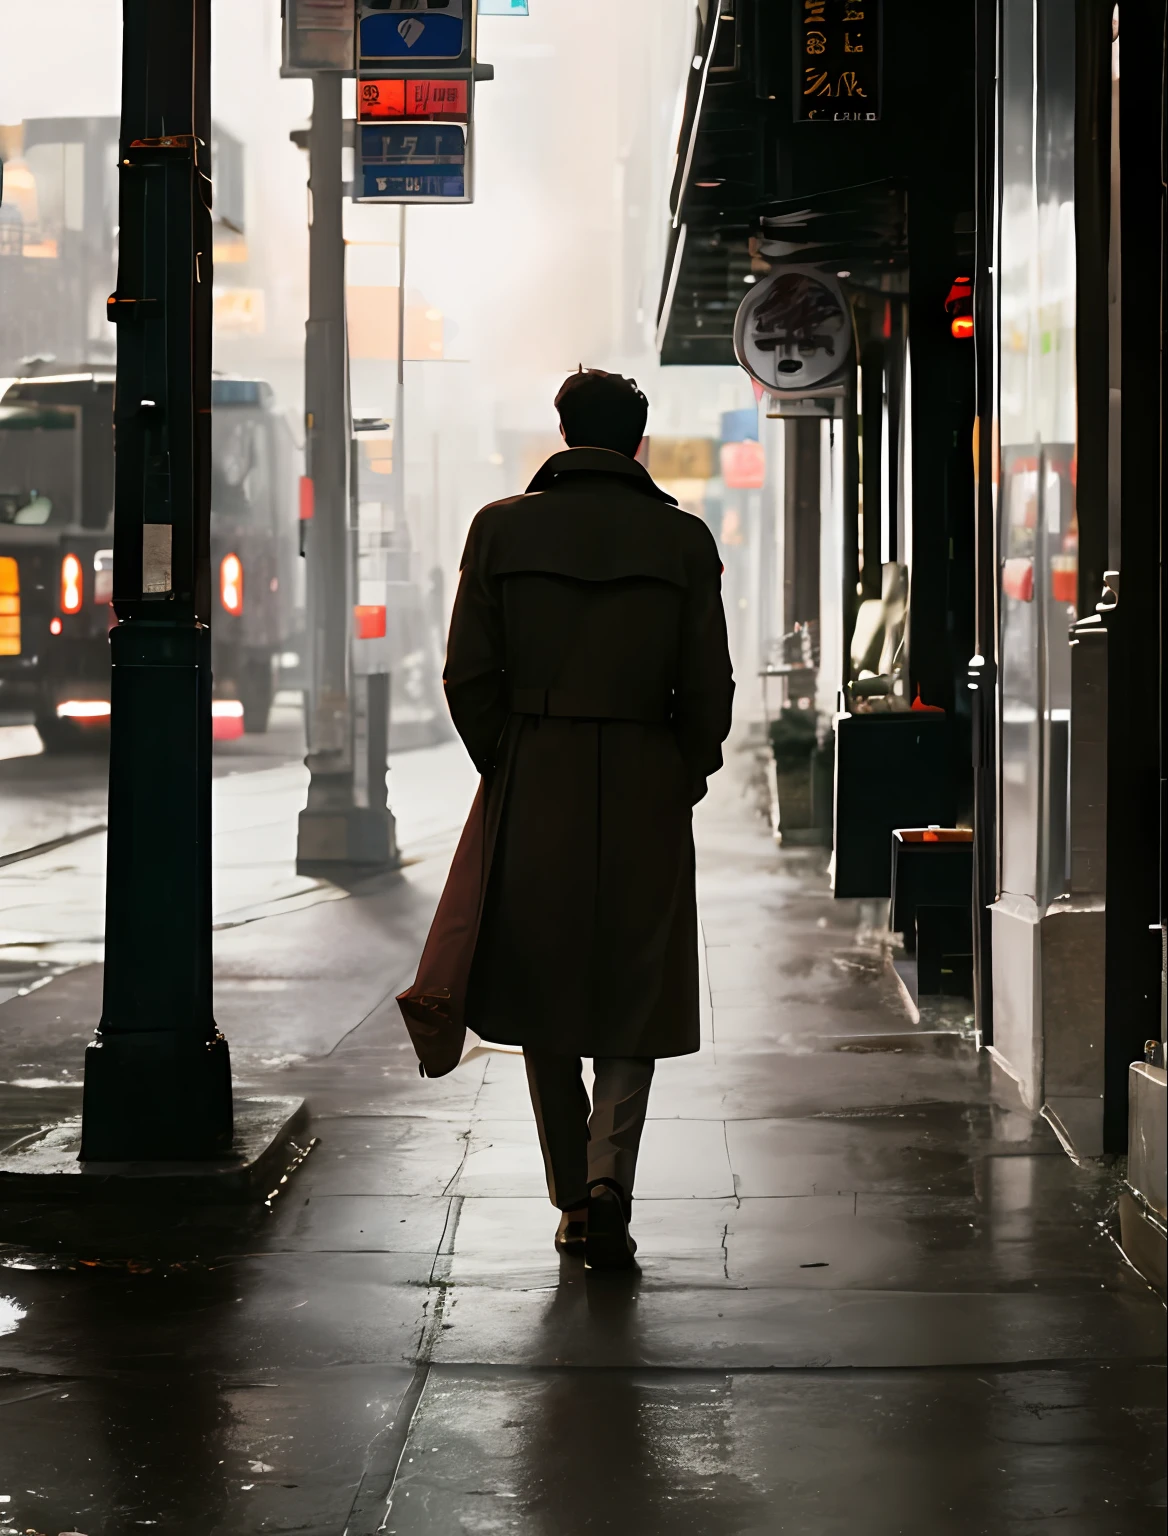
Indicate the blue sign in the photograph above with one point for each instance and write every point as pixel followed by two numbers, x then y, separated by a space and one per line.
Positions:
pixel 414 29
pixel 740 426
pixel 411 162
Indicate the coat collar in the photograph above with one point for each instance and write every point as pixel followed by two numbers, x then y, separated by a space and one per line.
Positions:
pixel 597 461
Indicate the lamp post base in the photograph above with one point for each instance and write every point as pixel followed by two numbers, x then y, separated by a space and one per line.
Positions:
pixel 358 836
pixel 155 1095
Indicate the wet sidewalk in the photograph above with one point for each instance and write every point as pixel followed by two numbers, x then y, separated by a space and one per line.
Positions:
pixel 875 1296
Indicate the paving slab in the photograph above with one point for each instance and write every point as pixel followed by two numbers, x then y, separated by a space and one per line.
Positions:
pixel 385 1155
pixel 618 1324
pixel 220 1316
pixel 684 1453
pixel 182 1453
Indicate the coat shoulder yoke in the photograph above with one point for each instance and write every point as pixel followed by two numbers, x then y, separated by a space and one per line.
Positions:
pixel 591 514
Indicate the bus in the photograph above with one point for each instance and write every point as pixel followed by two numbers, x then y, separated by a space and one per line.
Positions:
pixel 56 550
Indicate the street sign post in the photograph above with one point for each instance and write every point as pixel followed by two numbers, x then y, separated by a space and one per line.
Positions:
pixel 346 821
pixel 415 67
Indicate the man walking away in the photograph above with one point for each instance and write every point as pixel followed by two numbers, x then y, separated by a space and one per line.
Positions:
pixel 589 677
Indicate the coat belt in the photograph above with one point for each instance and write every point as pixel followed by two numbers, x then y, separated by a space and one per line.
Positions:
pixel 589 704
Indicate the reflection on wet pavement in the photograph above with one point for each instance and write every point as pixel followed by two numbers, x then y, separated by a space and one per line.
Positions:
pixel 874 1295
pixel 685 1453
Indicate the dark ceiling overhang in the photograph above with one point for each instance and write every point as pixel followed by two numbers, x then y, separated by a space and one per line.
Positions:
pixel 754 183
pixel 861 231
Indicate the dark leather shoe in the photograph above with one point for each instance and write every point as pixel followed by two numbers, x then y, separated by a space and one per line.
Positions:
pixel 608 1244
pixel 570 1237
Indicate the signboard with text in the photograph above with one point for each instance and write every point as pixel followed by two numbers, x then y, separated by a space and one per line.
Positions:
pixel 414 162
pixel 837 62
pixel 425 34
pixel 413 97
pixel 319 35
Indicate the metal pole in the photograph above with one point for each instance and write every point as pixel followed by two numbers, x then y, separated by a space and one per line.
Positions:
pixel 327 717
pixel 334 830
pixel 851 531
pixel 157 1075
pixel 399 410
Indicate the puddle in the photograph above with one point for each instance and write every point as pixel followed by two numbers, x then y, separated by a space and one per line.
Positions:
pixel 922 1042
pixel 860 966
pixel 41 1082
pixel 20 977
pixel 19 1258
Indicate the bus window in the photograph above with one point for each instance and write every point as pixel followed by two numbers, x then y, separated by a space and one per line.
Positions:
pixel 240 474
pixel 38 465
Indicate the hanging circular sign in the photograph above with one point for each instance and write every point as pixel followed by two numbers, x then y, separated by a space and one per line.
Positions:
pixel 793 332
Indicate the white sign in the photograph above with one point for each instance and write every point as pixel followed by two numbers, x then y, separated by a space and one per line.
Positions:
pixel 793 331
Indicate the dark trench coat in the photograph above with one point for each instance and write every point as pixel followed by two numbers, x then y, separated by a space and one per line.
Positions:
pixel 589 677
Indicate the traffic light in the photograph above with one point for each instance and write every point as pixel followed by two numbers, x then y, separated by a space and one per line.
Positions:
pixel 959 308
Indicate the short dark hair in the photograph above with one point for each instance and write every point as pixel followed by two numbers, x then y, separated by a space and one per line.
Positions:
pixel 602 410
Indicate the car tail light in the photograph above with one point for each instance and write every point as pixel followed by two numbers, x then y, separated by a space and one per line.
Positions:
pixel 9 606
pixel 231 584
pixel 71 584
pixel 226 719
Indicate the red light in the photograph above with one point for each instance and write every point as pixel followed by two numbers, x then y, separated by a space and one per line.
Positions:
pixel 55 626
pixel 959 308
pixel 307 498
pixel 71 589
pixel 231 584
pixel 369 621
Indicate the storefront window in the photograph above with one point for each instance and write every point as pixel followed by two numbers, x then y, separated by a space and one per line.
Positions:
pixel 1038 530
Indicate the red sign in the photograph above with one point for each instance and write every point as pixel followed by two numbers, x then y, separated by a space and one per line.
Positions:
pixel 369 621
pixel 378 100
pixel 743 466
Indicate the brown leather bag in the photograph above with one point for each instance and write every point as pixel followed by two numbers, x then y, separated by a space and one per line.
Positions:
pixel 434 1008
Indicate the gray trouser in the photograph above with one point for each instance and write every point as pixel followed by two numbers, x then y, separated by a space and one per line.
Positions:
pixel 582 1143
